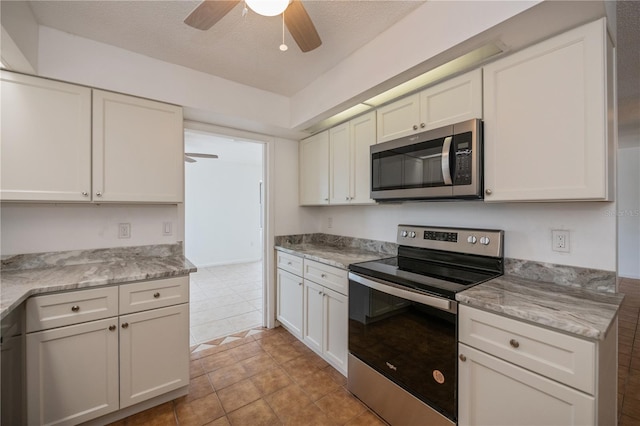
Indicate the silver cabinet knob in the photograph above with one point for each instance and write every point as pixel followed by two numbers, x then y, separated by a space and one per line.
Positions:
pixel 422 125
pixel 299 283
pixel 85 194
pixel 323 275
pixel 75 308
pixel 514 343
pixel 485 241
pixel 156 295
pixel 415 127
pixel 112 327
pixel 125 325
pixel 289 263
pixel 471 239
pixel 488 191
pixel 98 194
pixel 463 358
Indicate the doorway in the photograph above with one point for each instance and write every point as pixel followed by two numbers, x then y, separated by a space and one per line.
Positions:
pixel 224 233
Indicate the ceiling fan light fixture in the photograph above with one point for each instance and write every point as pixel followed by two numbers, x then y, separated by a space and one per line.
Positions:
pixel 268 7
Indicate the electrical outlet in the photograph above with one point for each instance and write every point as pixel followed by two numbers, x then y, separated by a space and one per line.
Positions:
pixel 329 222
pixel 167 229
pixel 560 240
pixel 124 230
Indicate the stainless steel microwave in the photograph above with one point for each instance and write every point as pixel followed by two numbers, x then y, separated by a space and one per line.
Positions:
pixel 444 163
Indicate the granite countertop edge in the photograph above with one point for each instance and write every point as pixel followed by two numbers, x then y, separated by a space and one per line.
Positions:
pixel 339 257
pixel 17 285
pixel 582 313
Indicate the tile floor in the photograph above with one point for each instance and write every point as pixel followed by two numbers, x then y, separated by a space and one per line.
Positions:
pixel 225 300
pixel 260 377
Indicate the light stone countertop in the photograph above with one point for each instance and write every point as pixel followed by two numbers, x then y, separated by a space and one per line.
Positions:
pixel 22 276
pixel 577 311
pixel 340 257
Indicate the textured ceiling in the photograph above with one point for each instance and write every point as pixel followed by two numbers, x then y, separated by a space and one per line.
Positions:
pixel 237 48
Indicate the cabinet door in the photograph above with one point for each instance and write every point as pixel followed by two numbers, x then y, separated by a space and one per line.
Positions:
pixel 339 164
pixel 154 353
pixel 314 169
pixel 336 312
pixel 452 101
pixel 397 119
pixel 545 120
pixel 495 392
pixel 363 135
pixel 46 139
pixel 138 150
pixel 290 301
pixel 72 373
pixel 313 315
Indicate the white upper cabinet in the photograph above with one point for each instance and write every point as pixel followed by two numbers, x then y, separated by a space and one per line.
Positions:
pixel 547 121
pixel 46 140
pixel 137 149
pixel 56 148
pixel 457 99
pixel 314 170
pixel 350 165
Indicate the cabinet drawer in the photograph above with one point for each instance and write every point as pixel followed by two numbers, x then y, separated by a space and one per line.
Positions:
pixel 146 295
pixel 328 276
pixel 289 262
pixel 563 358
pixel 57 310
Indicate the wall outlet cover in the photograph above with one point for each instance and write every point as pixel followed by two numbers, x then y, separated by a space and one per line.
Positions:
pixel 124 230
pixel 560 240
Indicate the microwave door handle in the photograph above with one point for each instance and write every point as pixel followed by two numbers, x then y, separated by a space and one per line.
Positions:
pixel 446 150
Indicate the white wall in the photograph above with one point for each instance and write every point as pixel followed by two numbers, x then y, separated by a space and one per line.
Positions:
pixel 36 227
pixel 19 36
pixel 527 226
pixel 222 203
pixel 628 212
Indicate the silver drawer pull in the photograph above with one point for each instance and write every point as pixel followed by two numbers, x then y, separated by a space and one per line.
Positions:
pixel 125 325
pixel 112 327
pixel 75 308
pixel 391 366
pixel 156 295
pixel 514 343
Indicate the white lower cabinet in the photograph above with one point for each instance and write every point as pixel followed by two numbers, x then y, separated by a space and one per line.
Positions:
pixel 72 373
pixel 313 305
pixel 325 323
pixel 154 354
pixel 289 301
pixel 518 374
pixel 495 392
pixel 80 367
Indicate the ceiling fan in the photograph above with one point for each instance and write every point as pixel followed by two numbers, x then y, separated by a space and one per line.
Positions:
pixel 189 156
pixel 207 13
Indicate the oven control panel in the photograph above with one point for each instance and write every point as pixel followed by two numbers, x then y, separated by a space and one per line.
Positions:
pixel 483 242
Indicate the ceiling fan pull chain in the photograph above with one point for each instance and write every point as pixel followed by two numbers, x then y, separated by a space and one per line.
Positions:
pixel 283 46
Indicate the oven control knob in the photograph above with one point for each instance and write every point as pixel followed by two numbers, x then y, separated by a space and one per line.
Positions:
pixel 404 233
pixel 485 241
pixel 471 239
pixel 412 234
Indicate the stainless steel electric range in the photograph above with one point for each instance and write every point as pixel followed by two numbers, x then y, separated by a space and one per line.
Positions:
pixel 403 321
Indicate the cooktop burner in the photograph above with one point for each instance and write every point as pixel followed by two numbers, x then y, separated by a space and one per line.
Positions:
pixel 439 261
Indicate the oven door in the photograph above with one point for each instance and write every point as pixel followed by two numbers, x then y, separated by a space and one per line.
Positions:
pixel 408 337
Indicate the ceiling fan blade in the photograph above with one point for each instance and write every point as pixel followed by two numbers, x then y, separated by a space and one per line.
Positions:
pixel 301 27
pixel 209 12
pixel 189 159
pixel 198 155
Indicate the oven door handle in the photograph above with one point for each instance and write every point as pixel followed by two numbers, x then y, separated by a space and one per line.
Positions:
pixel 388 288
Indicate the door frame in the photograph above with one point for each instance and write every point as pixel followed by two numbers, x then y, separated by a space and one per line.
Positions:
pixel 268 167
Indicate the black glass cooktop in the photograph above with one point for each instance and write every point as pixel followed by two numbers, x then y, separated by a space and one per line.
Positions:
pixel 433 277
